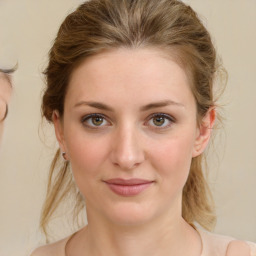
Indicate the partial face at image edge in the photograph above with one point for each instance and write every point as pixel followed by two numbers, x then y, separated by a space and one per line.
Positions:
pixel 5 95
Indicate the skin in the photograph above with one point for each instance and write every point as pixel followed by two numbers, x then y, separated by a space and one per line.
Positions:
pixel 238 248
pixel 128 142
pixel 5 95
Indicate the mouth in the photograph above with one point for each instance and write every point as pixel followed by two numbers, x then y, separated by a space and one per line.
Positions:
pixel 128 187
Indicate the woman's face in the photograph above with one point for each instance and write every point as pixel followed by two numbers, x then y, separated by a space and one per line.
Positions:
pixel 130 131
pixel 5 94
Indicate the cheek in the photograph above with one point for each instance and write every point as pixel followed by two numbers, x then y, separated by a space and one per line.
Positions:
pixel 173 160
pixel 86 155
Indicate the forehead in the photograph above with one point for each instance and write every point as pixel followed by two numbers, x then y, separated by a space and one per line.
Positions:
pixel 126 57
pixel 148 61
pixel 131 76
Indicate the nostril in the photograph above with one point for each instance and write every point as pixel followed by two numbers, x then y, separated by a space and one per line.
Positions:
pixel 126 152
pixel 127 165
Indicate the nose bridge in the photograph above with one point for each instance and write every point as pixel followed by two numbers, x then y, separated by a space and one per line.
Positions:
pixel 127 151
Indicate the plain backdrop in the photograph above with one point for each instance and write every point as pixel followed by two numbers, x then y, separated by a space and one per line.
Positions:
pixel 27 29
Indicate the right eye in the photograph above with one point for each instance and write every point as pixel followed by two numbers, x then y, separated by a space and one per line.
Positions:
pixel 95 121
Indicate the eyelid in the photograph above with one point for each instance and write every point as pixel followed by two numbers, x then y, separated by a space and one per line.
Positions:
pixel 171 118
pixel 167 116
pixel 87 117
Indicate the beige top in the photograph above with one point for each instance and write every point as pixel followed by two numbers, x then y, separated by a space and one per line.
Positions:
pixel 213 245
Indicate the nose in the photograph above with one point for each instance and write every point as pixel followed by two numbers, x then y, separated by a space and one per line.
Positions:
pixel 127 151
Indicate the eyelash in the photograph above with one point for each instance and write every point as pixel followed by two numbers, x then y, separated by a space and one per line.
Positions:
pixel 169 118
pixel 86 118
pixel 162 115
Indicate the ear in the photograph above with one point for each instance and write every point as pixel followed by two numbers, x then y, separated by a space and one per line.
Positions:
pixel 58 126
pixel 204 132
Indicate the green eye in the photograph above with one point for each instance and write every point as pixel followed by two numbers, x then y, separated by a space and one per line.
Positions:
pixel 159 121
pixel 94 121
pixel 97 121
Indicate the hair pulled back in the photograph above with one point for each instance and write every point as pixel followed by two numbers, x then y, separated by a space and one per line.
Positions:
pixel 99 25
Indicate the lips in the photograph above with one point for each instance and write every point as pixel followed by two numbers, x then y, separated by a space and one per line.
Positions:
pixel 128 187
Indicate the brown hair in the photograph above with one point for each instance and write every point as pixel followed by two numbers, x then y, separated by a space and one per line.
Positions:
pixel 106 24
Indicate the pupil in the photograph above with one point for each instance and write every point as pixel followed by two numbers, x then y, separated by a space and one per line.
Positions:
pixel 97 120
pixel 158 121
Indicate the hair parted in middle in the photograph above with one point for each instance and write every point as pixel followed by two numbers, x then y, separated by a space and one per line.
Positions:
pixel 101 25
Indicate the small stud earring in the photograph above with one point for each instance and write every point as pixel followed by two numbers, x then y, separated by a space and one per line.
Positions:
pixel 64 155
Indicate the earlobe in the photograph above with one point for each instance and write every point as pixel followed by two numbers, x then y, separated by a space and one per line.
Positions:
pixel 58 126
pixel 204 132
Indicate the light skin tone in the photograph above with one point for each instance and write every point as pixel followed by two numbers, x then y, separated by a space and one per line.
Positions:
pixel 131 114
pixel 5 95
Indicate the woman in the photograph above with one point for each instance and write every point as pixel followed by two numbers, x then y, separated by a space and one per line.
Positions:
pixel 5 94
pixel 130 94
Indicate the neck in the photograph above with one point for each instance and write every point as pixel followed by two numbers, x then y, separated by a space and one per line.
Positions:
pixel 165 236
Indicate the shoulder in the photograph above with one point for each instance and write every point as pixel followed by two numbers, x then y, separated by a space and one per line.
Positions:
pixel 238 248
pixel 54 249
pixel 214 244
pixel 43 251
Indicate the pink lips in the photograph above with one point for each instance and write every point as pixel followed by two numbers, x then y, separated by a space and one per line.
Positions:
pixel 130 187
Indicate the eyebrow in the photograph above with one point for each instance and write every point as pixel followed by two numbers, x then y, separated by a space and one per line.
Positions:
pixel 153 105
pixel 161 104
pixel 94 105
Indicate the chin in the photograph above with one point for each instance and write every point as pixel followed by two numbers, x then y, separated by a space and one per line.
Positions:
pixel 130 214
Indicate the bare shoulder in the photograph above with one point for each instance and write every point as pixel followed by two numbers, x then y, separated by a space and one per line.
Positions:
pixel 214 244
pixel 54 249
pixel 43 251
pixel 238 248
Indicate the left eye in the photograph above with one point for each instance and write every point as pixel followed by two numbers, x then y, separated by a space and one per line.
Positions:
pixel 94 121
pixel 160 120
